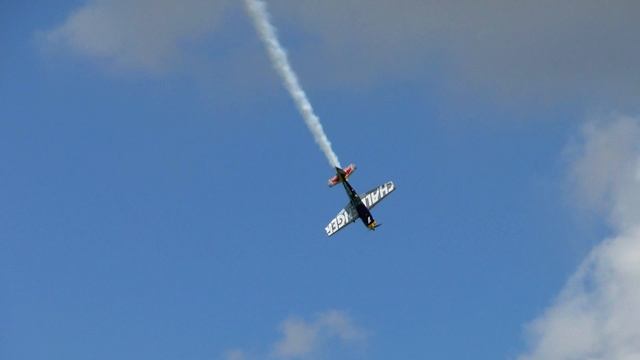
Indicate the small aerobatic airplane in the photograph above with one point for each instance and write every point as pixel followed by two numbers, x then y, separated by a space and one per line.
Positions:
pixel 359 205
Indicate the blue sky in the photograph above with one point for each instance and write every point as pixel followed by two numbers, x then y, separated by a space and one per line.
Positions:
pixel 162 198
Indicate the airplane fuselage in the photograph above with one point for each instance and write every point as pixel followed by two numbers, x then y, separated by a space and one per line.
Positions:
pixel 363 213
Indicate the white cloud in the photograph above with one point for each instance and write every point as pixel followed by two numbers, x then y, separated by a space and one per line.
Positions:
pixel 605 171
pixel 301 338
pixel 235 354
pixel 541 47
pixel 546 48
pixel 327 333
pixel 138 34
pixel 596 315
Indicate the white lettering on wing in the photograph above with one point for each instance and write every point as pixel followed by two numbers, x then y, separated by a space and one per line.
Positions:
pixel 383 190
pixel 342 219
pixel 375 196
pixel 334 225
pixel 367 201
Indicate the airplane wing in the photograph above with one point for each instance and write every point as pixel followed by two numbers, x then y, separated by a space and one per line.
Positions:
pixel 371 198
pixel 345 217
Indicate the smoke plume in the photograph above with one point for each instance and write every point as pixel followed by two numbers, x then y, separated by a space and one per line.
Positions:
pixel 258 11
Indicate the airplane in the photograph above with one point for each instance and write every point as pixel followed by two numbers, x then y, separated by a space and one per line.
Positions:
pixel 359 205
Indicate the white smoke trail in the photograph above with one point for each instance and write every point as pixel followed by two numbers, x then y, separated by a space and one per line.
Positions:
pixel 257 9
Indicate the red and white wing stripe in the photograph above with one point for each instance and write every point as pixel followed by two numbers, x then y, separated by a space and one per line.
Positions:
pixel 347 172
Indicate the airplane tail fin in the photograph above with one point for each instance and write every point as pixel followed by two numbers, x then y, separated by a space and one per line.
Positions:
pixel 342 174
pixel 373 225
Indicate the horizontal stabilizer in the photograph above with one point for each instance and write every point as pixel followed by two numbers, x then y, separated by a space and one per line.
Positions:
pixel 342 174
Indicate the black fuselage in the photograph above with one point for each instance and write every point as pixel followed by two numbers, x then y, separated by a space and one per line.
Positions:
pixel 363 212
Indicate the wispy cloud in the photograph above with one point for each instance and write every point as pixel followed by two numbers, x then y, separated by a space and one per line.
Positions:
pixel 546 48
pixel 307 339
pixel 147 35
pixel 596 315
pixel 530 47
pixel 302 338
pixel 235 354
pixel 605 170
